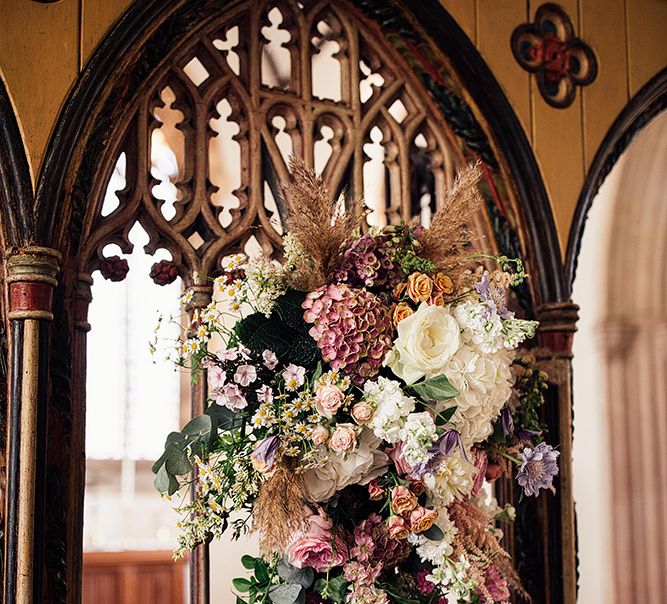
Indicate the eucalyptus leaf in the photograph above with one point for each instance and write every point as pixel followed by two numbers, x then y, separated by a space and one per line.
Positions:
pixel 242 585
pixel 436 388
pixel 198 427
pixel 223 418
pixel 162 481
pixel 292 574
pixel 287 594
pixel 177 462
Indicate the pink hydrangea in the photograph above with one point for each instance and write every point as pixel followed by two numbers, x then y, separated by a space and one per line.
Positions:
pixel 351 327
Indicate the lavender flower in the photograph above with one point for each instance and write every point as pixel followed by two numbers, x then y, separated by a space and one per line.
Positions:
pixel 494 296
pixel 538 468
pixel 265 453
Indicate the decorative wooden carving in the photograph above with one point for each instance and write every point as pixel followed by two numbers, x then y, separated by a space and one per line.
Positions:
pixel 264 81
pixel 549 49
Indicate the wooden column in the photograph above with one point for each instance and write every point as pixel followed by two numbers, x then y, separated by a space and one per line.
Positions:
pixel 200 562
pixel 30 275
pixel 557 327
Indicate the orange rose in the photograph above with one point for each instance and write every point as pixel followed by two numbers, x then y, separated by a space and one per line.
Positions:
pixel 437 299
pixel 444 283
pixel 419 287
pixel 403 501
pixel 375 490
pixel 422 519
pixel 398 290
pixel 401 311
pixel 397 528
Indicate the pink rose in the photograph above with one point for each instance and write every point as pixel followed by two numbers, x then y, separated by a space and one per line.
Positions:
pixel 403 468
pixel 398 529
pixel 328 400
pixel 344 438
pixel 422 519
pixel 403 501
pixel 320 435
pixel 375 491
pixel 317 547
pixel 362 412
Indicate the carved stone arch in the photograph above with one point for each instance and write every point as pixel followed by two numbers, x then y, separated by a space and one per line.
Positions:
pixel 463 99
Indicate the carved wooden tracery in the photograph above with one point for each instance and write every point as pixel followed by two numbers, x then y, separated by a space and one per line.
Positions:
pixel 231 106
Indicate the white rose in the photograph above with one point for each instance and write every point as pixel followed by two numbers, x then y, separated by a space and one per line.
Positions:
pixel 341 469
pixel 425 344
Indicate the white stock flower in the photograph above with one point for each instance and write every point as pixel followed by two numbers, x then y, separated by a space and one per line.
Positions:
pixel 418 435
pixel 338 470
pixel 479 326
pixel 391 407
pixel 436 552
pixel 426 341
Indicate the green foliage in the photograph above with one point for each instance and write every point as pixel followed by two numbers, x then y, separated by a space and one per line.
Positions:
pixel 437 388
pixel 262 586
pixel 284 332
pixel 333 589
pixel 197 437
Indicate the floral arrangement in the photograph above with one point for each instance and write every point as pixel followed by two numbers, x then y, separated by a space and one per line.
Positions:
pixel 361 395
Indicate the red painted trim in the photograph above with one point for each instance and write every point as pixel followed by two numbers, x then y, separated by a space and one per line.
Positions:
pixel 30 295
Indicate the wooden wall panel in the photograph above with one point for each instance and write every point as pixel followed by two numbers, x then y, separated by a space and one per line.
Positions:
pixel 96 17
pixel 647 40
pixel 557 141
pixel 39 46
pixel 602 27
pixel 464 12
pixel 495 23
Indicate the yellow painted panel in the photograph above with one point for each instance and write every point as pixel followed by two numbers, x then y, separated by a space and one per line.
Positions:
pixel 96 18
pixel 39 59
pixel 495 23
pixel 647 40
pixel 603 29
pixel 558 144
pixel 463 12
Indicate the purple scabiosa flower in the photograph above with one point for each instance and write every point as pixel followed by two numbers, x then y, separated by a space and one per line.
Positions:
pixel 538 468
pixel 264 456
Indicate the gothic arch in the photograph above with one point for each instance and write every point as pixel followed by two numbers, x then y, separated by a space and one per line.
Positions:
pixel 469 100
pixel 649 101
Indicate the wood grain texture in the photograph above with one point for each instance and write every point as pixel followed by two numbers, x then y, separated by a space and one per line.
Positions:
pixel 557 142
pixel 495 23
pixel 647 41
pixel 603 28
pixel 464 13
pixel 39 60
pixel 96 18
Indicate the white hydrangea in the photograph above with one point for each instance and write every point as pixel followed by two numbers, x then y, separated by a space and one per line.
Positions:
pixel 453 480
pixel 391 405
pixel 436 552
pixel 485 384
pixel 418 435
